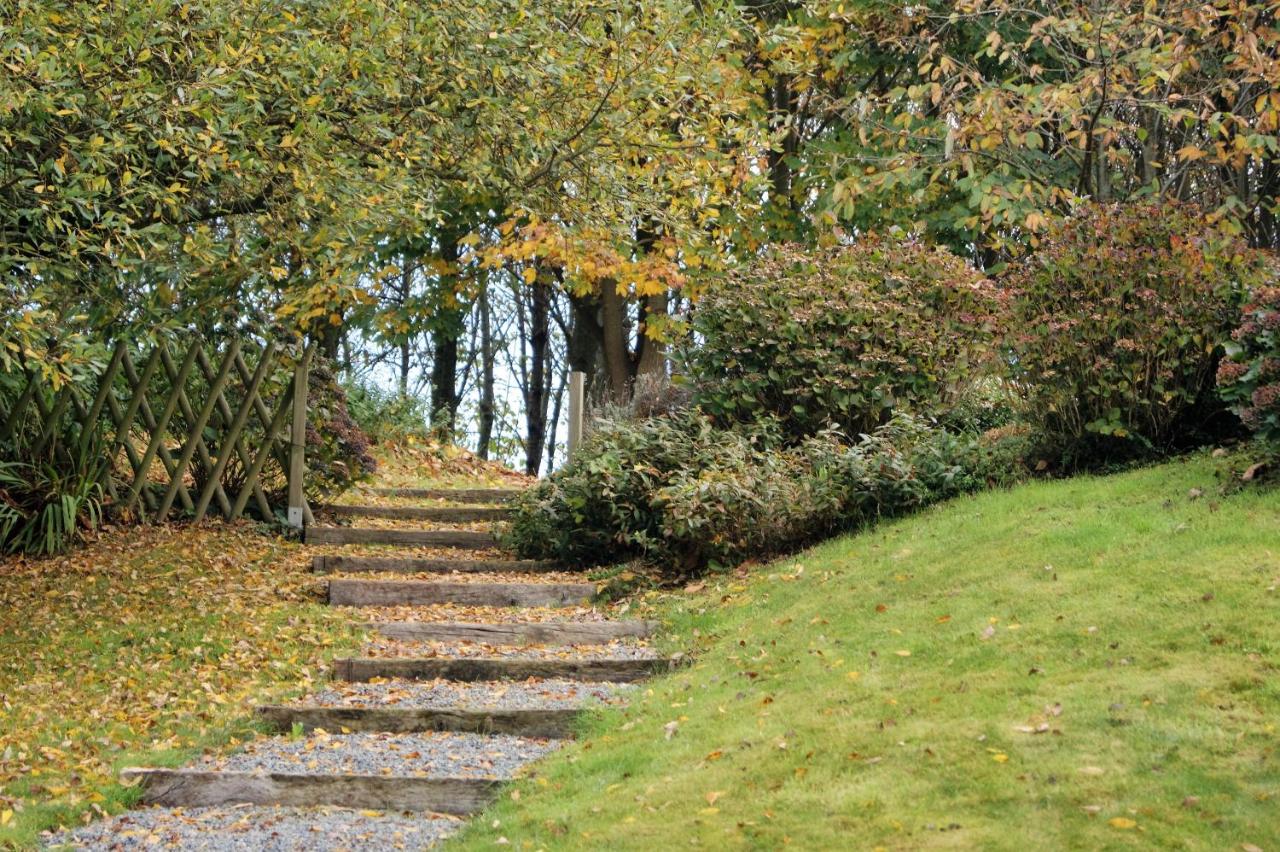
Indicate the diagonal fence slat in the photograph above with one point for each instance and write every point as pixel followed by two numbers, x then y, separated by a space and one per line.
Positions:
pixel 166 457
pixel 223 413
pixel 189 447
pixel 189 415
pixel 237 425
pixel 158 425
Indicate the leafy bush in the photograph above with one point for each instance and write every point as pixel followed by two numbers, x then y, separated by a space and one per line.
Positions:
pixel 843 336
pixel 338 451
pixel 1114 328
pixel 1249 378
pixel 386 415
pixel 683 494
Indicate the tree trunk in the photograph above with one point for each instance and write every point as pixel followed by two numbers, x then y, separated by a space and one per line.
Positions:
pixel 616 326
pixel 585 338
pixel 485 428
pixel 554 420
pixel 444 366
pixel 536 398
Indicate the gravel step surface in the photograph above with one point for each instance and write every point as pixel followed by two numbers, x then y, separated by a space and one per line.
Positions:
pixel 481 614
pixel 533 694
pixel 253 827
pixel 630 649
pixel 434 755
pixel 478 578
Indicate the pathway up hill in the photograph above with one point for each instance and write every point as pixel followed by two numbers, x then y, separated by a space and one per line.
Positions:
pixel 475 664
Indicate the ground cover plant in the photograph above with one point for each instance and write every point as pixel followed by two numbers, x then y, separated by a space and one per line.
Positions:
pixel 1084 663
pixel 1249 378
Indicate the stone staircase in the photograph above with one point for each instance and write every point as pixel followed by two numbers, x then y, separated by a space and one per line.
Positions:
pixel 438 711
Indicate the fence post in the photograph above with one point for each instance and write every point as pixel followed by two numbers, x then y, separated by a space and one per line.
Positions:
pixel 577 384
pixel 298 441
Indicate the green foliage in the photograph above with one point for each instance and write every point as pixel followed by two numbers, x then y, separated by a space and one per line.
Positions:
pixel 682 494
pixel 45 507
pixel 1115 324
pixel 338 451
pixel 387 415
pixel 843 336
pixel 1249 378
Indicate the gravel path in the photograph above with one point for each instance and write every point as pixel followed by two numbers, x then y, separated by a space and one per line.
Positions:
pixel 251 828
pixel 436 755
pixel 628 649
pixel 533 694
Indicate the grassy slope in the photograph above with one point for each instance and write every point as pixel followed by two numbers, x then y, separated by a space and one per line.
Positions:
pixel 856 702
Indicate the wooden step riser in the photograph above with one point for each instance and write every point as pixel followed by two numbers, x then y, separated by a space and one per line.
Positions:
pixel 358 564
pixel 453 495
pixel 544 633
pixel 463 515
pixel 552 724
pixel 343 592
pixel 461 539
pixel 192 788
pixel 487 669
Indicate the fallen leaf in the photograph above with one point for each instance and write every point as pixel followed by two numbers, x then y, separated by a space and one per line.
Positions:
pixel 713 796
pixel 903 653
pixel 1123 823
pixel 669 729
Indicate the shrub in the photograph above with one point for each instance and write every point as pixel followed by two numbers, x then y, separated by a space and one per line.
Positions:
pixel 1114 325
pixel 338 451
pixel 1249 378
pixel 683 494
pixel 386 415
pixel 843 336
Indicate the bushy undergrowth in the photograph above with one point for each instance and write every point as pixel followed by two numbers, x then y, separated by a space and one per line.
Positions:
pixel 1249 379
pixel 683 494
pixel 338 451
pixel 387 415
pixel 1115 329
pixel 843 336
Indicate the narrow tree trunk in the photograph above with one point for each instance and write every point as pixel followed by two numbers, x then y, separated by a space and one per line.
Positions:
pixel 485 428
pixel 536 398
pixel 553 423
pixel 444 367
pixel 585 338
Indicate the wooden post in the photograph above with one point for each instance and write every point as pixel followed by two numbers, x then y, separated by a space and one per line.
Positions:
pixel 298 441
pixel 577 385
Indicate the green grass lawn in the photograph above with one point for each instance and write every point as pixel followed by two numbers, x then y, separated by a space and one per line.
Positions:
pixel 1089 663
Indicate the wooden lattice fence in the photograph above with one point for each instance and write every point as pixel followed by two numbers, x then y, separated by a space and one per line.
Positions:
pixel 181 427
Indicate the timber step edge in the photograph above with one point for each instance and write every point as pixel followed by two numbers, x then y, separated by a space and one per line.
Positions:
pixel 333 564
pixel 463 539
pixel 551 724
pixel 456 495
pixel 444 514
pixel 472 669
pixel 192 788
pixel 359 592
pixel 517 633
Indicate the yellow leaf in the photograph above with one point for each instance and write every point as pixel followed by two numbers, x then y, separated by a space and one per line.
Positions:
pixel 5 816
pixel 530 274
pixel 1123 823
pixel 853 675
pixel 1190 152
pixel 903 653
pixel 1000 757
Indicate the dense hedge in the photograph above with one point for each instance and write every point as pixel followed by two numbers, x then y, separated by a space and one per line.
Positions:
pixel 683 494
pixel 1115 327
pixel 843 336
